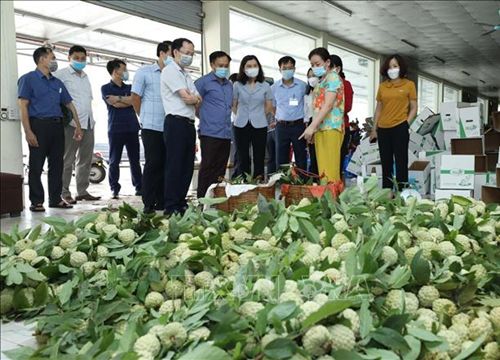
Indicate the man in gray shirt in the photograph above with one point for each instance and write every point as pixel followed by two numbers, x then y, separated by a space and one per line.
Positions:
pixel 180 100
pixel 78 85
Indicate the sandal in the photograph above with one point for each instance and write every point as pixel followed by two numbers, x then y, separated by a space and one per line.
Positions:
pixel 62 205
pixel 37 208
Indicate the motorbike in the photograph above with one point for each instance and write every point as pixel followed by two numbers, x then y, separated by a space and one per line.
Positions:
pixel 97 169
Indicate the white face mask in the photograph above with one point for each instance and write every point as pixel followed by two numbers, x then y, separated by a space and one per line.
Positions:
pixel 393 73
pixel 252 72
pixel 313 81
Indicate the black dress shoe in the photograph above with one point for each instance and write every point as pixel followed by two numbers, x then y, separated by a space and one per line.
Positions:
pixel 87 197
pixel 149 210
pixel 138 193
pixel 69 200
pixel 115 196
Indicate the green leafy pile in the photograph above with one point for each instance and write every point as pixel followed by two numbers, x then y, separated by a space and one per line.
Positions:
pixel 360 277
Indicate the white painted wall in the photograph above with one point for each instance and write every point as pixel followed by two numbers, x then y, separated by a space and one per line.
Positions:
pixel 11 160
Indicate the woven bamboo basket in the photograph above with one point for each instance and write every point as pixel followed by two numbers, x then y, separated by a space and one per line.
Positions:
pixel 294 193
pixel 247 198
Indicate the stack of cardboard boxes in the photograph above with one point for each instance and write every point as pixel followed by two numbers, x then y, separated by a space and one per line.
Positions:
pixel 490 192
pixel 448 154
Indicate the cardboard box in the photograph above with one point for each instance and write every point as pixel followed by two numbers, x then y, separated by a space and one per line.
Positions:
pixel 433 182
pixel 412 157
pixel 416 142
pixel 498 177
pixel 419 176
pixel 438 136
pixel 480 164
pixel 429 124
pixel 429 143
pixel 492 161
pixel 369 152
pixel 470 123
pixel 471 146
pixel 447 137
pixel 355 163
pixel 456 172
pixel 432 156
pixel 419 120
pixel 482 179
pixel 491 140
pixel 490 195
pixel 374 169
pixel 449 115
pixel 443 194
pixel 496 121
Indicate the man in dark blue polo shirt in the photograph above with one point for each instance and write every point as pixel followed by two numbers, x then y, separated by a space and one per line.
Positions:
pixel 123 126
pixel 41 96
pixel 215 121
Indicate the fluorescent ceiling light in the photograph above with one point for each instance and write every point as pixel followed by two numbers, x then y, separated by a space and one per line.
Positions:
pixel 339 8
pixel 409 43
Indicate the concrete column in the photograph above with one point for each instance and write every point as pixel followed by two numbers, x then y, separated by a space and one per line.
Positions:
pixel 11 160
pixel 215 30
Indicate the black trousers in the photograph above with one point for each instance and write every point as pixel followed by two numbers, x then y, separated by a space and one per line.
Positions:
pixel 214 156
pixel 393 147
pixel 271 152
pixel 344 149
pixel 117 141
pixel 257 137
pixel 154 169
pixel 50 136
pixel 287 134
pixel 180 141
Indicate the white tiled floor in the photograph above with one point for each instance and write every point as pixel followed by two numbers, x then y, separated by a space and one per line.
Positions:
pixel 14 335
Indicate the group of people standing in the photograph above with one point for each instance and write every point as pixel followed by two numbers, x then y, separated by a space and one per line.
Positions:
pixel 163 101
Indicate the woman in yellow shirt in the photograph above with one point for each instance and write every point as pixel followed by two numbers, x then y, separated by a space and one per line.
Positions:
pixel 396 107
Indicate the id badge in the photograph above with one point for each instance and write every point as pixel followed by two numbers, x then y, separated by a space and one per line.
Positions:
pixel 293 102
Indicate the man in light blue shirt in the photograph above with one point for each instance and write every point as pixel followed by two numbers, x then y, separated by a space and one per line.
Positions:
pixel 288 99
pixel 146 97
pixel 215 121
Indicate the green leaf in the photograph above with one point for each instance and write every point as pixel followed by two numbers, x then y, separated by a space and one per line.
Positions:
pixel 121 253
pixel 54 221
pixel 390 338
pixel 261 222
pixel 346 355
pixel 467 294
pixel 35 232
pixel 128 338
pixel 396 322
pixel 309 231
pixel 382 354
pixel 35 275
pixel 86 219
pixel 280 348
pixel 332 307
pixel 423 334
pixel 21 353
pixel 282 311
pixel 415 347
pixel 294 224
pixel 472 348
pixel 399 277
pixel 212 201
pixel 420 269
pixel 365 319
pixel 65 293
pixel 41 295
pixel 14 277
pixel 206 352
pixel 460 200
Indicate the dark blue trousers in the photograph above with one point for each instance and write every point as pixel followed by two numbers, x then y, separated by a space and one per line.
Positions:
pixel 271 152
pixel 129 140
pixel 287 134
pixel 180 143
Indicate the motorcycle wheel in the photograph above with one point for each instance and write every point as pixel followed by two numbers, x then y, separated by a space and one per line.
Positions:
pixel 97 174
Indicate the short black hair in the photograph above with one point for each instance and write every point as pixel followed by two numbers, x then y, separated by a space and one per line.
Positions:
pixel 218 54
pixel 177 43
pixel 41 51
pixel 403 68
pixel 114 64
pixel 321 52
pixel 242 77
pixel 335 60
pixel 163 46
pixel 233 77
pixel 77 48
pixel 285 60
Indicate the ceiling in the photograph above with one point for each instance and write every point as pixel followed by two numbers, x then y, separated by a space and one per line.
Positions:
pixel 445 29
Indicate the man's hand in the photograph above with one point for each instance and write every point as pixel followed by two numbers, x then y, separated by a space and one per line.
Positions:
pixel 308 134
pixel 272 125
pixel 112 99
pixel 78 135
pixel 373 135
pixel 31 139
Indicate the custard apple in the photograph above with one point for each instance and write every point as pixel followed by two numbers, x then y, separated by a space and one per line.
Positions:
pixel 78 258
pixel 317 340
pixel 342 338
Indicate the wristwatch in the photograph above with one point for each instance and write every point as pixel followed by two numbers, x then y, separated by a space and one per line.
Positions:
pixel 119 97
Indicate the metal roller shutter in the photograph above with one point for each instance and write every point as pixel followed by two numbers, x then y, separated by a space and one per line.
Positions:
pixel 183 14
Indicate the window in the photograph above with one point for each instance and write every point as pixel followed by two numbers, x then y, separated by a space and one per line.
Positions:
pixel 450 94
pixel 359 70
pixel 269 42
pixel 428 94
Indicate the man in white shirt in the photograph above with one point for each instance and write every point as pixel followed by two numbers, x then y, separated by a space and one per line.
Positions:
pixel 180 100
pixel 78 85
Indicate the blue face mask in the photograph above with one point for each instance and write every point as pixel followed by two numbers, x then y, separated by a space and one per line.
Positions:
pixel 168 60
pixel 221 73
pixel 287 74
pixel 318 71
pixel 125 76
pixel 78 65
